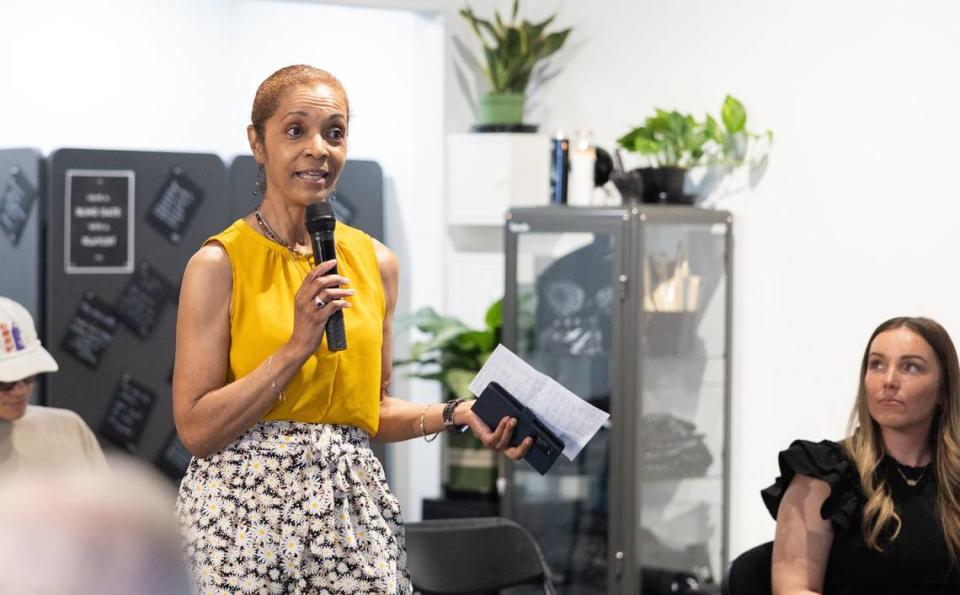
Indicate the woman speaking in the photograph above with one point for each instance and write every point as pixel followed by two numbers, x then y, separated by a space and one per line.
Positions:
pixel 283 494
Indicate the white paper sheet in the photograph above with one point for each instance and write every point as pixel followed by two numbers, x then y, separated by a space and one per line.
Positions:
pixel 568 416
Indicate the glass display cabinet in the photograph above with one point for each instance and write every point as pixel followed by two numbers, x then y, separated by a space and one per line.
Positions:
pixel 629 308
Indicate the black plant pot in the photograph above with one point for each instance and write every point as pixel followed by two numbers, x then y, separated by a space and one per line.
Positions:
pixel 663 185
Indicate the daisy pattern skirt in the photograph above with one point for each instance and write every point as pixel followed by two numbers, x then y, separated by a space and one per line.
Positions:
pixel 293 508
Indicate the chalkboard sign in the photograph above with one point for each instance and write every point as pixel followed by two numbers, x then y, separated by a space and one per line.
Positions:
pixel 90 331
pixel 99 221
pixel 127 413
pixel 143 300
pixel 16 202
pixel 174 458
pixel 175 206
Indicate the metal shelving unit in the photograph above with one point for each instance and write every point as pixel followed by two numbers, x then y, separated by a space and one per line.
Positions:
pixel 630 308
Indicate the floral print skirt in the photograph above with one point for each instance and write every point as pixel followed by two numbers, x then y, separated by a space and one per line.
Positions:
pixel 293 508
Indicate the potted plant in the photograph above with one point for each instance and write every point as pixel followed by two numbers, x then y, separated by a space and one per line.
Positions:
pixel 671 143
pixel 452 353
pixel 511 51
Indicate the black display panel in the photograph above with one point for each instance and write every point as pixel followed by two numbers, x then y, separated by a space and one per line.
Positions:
pixel 358 200
pixel 110 371
pixel 22 206
pixel 105 324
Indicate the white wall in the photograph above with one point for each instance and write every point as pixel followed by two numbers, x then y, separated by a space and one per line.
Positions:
pixel 854 221
pixel 180 75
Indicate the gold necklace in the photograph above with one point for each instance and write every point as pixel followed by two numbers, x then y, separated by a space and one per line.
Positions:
pixel 911 482
pixel 274 236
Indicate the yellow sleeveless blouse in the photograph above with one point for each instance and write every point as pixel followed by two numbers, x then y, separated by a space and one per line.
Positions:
pixel 340 387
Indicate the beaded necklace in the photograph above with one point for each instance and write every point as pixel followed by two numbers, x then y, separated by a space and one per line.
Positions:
pixel 274 236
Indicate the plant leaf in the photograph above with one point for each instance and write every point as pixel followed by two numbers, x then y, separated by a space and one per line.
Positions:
pixel 427 320
pixel 554 42
pixel 494 316
pixel 712 129
pixel 495 70
pixel 438 341
pixel 628 141
pixel 476 341
pixel 514 49
pixel 733 114
pixel 513 43
pixel 501 27
pixel 467 14
pixel 458 381
pixel 536 30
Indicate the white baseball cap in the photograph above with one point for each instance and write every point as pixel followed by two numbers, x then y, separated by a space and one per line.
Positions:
pixel 21 354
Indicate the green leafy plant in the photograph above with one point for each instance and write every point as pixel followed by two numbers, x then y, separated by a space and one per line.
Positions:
pixel 673 139
pixel 452 353
pixel 512 49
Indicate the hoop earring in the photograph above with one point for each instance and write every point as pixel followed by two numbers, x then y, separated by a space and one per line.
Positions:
pixel 261 183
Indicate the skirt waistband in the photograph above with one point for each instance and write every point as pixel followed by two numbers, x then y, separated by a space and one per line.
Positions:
pixel 275 435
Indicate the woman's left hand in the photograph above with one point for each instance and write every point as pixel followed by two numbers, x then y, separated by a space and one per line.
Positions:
pixel 497 439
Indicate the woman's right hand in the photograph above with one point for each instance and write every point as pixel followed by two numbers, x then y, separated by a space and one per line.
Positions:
pixel 309 317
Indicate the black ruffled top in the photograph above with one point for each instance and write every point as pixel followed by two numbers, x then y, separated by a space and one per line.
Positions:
pixel 916 562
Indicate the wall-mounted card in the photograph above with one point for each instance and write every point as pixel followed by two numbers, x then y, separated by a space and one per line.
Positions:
pixel 99 221
pixel 127 413
pixel 16 203
pixel 175 205
pixel 144 299
pixel 90 331
pixel 174 458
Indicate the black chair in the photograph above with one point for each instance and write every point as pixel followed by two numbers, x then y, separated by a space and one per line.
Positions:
pixel 473 555
pixel 749 573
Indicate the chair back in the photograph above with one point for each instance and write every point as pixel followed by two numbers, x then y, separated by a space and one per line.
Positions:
pixel 750 572
pixel 473 555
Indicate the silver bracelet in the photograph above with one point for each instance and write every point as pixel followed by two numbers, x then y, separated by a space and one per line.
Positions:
pixel 273 381
pixel 423 431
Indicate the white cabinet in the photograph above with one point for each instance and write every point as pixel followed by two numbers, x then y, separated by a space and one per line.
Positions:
pixel 488 173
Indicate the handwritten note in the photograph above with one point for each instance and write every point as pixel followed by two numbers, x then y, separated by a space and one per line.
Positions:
pixel 568 416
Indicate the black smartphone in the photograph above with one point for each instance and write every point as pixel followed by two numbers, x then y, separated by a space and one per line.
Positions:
pixel 495 403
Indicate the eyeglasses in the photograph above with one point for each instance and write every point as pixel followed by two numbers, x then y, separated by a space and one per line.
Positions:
pixel 6 387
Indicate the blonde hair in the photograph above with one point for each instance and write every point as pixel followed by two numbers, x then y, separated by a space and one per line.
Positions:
pixel 864 443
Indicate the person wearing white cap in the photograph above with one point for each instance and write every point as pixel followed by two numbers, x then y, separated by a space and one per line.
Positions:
pixel 32 436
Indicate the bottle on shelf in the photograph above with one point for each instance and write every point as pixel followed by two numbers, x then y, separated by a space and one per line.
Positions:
pixel 583 159
pixel 559 168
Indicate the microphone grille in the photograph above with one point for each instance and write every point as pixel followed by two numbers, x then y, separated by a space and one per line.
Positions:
pixel 319 216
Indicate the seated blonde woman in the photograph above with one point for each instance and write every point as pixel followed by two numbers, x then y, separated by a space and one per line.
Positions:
pixel 879 512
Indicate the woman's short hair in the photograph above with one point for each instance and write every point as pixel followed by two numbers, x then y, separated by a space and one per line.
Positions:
pixel 274 86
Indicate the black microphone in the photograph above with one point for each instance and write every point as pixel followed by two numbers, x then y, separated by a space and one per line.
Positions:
pixel 320 224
